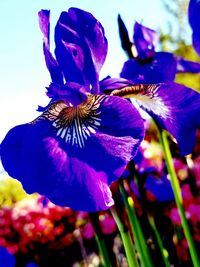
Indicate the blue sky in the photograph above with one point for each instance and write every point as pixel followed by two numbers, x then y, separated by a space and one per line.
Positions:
pixel 23 72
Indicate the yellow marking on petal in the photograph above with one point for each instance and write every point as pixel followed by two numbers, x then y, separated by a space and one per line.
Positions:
pixel 146 95
pixel 128 91
pixel 133 90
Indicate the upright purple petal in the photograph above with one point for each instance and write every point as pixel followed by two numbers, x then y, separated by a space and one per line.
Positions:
pixel 72 154
pixel 193 16
pixel 52 64
pixel 145 40
pixel 93 32
pixel 44 23
pixel 81 46
pixel 124 37
pixel 161 68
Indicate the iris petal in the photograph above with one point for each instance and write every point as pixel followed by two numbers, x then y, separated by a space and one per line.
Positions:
pixel 154 71
pixel 160 188
pixel 6 258
pixel 108 84
pixel 196 42
pixel 93 32
pixel 52 64
pixel 44 23
pixel 81 46
pixel 187 66
pixel 70 174
pixel 70 92
pixel 193 16
pixel 174 107
pixel 10 157
pixel 145 40
pixel 124 37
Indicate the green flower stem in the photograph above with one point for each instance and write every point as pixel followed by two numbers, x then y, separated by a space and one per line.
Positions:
pixel 178 197
pixel 126 239
pixel 103 251
pixel 94 218
pixel 163 252
pixel 137 231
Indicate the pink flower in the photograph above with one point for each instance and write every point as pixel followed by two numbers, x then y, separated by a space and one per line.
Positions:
pixel 174 216
pixel 108 225
pixel 194 213
pixel 88 231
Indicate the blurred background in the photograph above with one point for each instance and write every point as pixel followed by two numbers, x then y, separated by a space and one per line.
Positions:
pixel 34 230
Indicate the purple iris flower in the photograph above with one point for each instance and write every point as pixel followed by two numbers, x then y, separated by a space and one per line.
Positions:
pixel 82 141
pixel 6 258
pixel 146 65
pixel 160 188
pixel 81 48
pixel 174 107
pixel 193 16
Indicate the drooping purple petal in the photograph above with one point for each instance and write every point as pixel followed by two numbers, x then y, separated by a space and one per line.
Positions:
pixel 10 150
pixel 145 40
pixel 187 66
pixel 174 107
pixel 193 16
pixel 81 46
pixel 71 154
pixel 161 68
pixel 52 64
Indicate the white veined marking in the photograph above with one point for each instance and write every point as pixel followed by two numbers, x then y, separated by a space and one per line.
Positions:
pixel 152 102
pixel 146 95
pixel 155 104
pixel 76 124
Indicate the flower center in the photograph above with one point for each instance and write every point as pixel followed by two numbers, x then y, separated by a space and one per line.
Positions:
pixel 75 124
